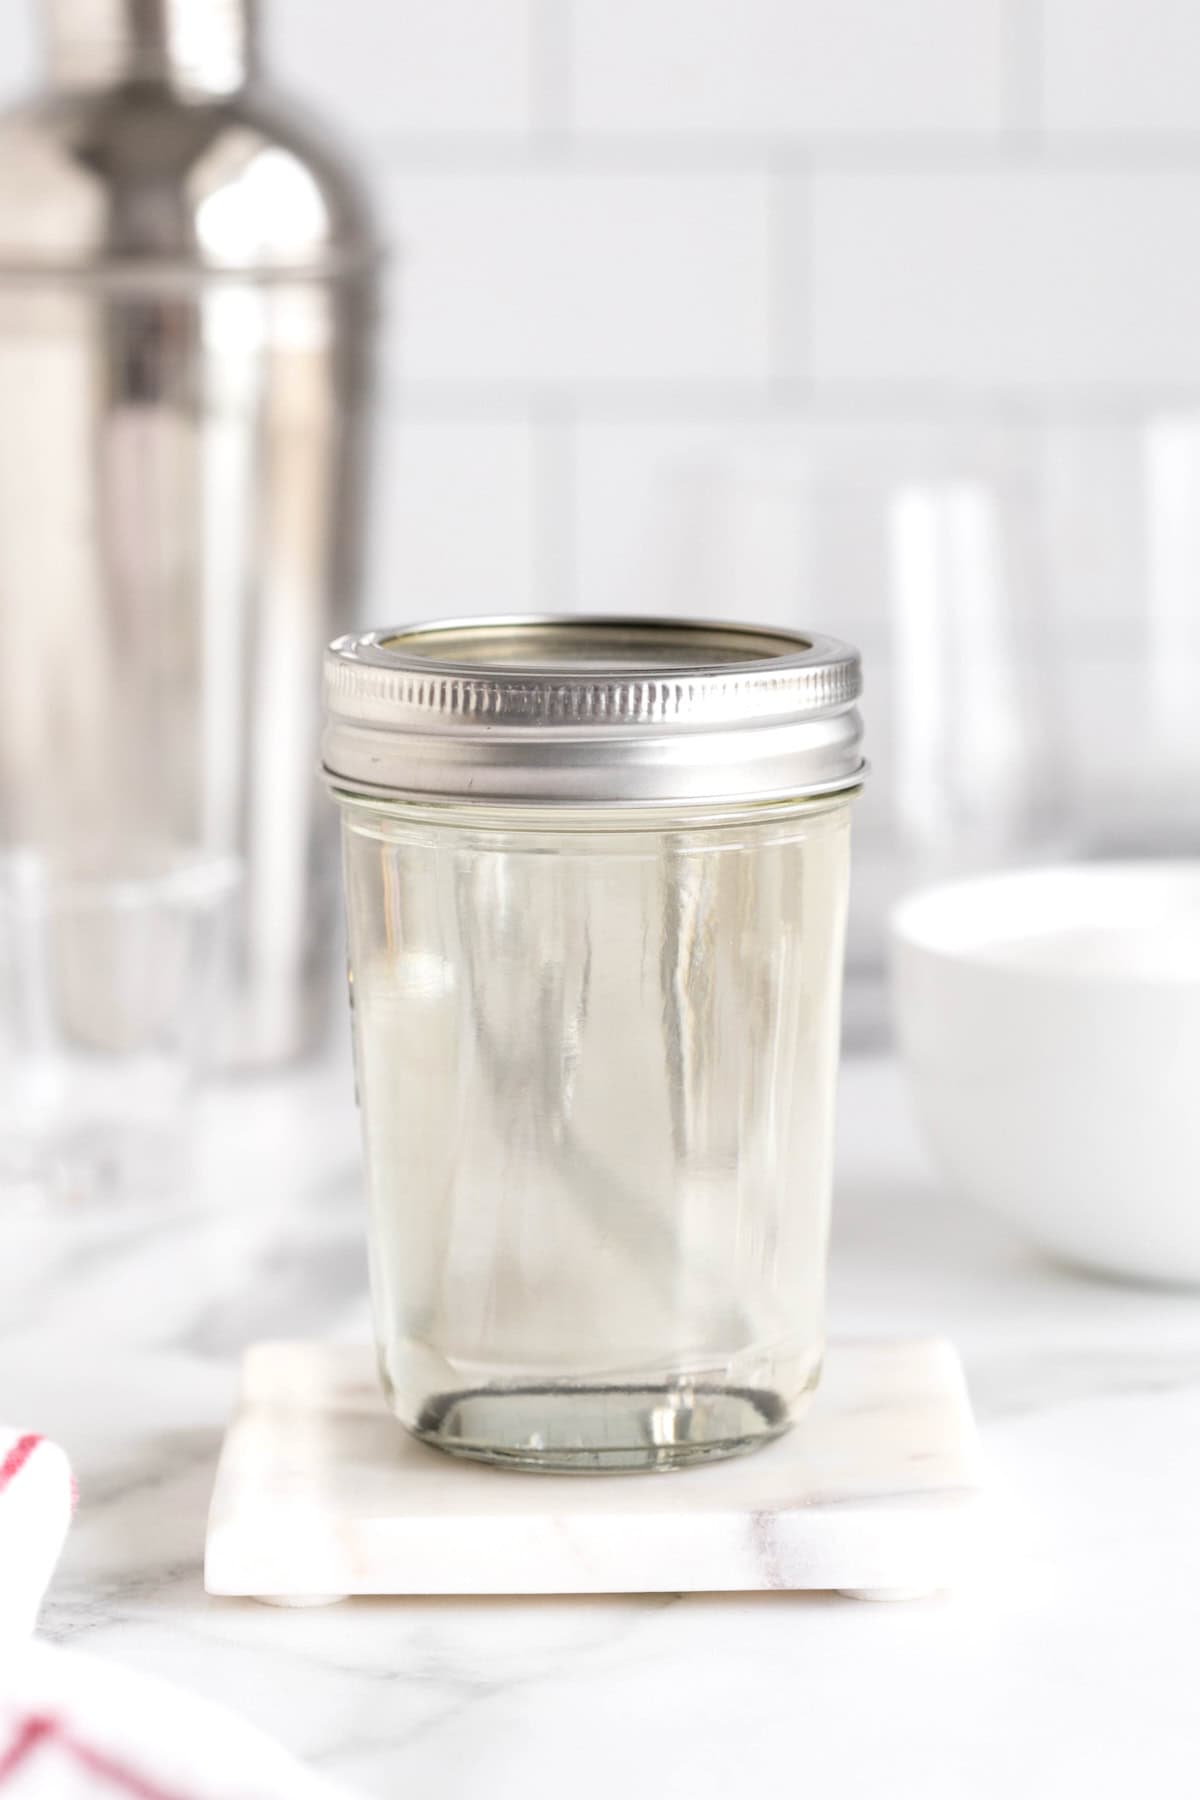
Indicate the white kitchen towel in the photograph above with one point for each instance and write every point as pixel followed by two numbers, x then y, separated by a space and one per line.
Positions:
pixel 37 1497
pixel 75 1728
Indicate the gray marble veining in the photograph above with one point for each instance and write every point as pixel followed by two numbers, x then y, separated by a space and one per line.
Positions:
pixel 1065 1665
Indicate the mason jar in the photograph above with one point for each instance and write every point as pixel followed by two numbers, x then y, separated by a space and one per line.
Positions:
pixel 596 875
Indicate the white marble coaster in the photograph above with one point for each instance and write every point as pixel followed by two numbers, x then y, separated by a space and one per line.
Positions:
pixel 319 1495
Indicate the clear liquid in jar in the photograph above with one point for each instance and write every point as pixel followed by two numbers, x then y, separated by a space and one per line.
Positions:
pixel 596 1069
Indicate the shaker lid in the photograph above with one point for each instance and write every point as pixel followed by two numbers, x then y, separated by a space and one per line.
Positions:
pixel 572 710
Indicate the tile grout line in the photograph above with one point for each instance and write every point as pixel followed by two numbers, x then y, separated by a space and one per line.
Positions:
pixel 637 402
pixel 470 154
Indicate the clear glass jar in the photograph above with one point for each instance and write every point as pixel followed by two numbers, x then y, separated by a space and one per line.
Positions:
pixel 596 1047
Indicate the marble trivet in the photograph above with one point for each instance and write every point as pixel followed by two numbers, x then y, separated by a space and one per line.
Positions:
pixel 320 1495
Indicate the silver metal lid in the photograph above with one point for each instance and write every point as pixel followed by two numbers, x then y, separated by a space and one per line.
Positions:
pixel 577 711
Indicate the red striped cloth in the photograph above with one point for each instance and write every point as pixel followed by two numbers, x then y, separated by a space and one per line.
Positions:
pixel 37 1498
pixel 39 1745
pixel 75 1728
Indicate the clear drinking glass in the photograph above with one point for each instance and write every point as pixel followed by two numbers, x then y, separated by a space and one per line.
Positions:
pixel 596 1048
pixel 925 543
pixel 1125 509
pixel 110 984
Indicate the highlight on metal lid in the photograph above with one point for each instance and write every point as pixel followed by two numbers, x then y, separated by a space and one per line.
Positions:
pixel 563 709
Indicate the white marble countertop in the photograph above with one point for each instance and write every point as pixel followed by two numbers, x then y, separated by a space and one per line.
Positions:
pixel 1067 1665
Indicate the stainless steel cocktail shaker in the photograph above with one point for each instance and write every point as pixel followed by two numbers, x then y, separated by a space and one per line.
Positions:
pixel 187 275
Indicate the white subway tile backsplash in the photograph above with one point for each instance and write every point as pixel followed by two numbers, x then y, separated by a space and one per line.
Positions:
pixel 640 518
pixel 385 68
pixel 1122 66
pixel 582 277
pixel 1034 277
pixel 455 521
pixel 789 66
pixel 633 232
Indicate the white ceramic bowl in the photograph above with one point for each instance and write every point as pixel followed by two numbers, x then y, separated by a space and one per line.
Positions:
pixel 1049 1021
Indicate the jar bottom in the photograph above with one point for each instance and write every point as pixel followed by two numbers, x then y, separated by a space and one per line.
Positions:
pixel 593 1429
